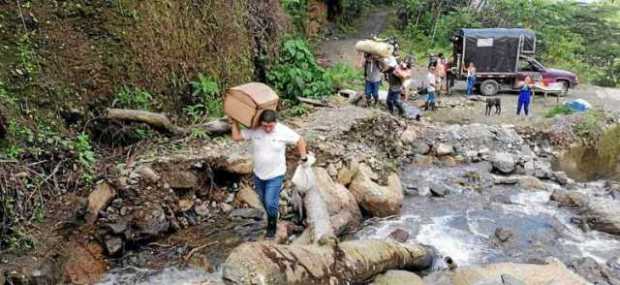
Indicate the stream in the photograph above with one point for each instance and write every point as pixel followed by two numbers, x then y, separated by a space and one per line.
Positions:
pixel 463 224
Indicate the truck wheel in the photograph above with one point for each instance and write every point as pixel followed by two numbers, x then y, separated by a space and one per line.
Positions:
pixel 489 87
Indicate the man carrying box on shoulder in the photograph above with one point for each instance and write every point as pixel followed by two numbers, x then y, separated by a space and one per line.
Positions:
pixel 269 142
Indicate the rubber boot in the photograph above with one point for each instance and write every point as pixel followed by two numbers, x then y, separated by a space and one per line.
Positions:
pixel 271 227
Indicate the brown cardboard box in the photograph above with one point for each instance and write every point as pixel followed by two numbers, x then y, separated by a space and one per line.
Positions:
pixel 246 102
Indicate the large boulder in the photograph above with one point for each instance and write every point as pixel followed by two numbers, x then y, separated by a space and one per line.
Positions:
pixel 180 179
pixel 569 198
pixel 594 272
pixel 604 215
pixel 398 277
pixel 147 222
pixel 554 272
pixel 503 162
pixel 337 197
pixel 377 200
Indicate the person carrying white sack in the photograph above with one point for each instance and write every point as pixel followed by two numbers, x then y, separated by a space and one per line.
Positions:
pixel 269 142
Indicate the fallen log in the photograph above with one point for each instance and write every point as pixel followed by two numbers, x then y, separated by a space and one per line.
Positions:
pixel 345 263
pixel 313 102
pixel 217 127
pixel 155 120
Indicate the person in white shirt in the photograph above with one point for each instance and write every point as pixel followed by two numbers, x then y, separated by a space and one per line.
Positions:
pixel 431 87
pixel 269 142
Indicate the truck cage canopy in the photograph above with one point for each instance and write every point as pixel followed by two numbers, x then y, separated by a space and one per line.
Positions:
pixel 495 50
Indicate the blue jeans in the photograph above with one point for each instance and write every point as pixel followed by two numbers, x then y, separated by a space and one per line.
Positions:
pixel 470 85
pixel 372 90
pixel 393 100
pixel 269 193
pixel 430 97
pixel 524 103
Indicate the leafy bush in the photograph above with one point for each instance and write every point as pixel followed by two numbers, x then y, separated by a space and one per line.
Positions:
pixel 558 110
pixel 133 98
pixel 590 128
pixel 298 11
pixel 85 155
pixel 207 90
pixel 296 72
pixel 345 76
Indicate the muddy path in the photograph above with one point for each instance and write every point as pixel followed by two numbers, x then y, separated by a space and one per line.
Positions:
pixel 341 50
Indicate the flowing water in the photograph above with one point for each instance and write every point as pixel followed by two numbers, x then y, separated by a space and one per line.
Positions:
pixel 462 224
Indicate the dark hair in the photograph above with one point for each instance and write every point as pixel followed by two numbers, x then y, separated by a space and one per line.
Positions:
pixel 440 54
pixel 268 116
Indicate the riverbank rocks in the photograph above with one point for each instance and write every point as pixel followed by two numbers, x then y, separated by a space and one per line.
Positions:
pixel 398 277
pixel 180 179
pixel 594 272
pixel 377 200
pixel 399 235
pixel 444 149
pixel 338 199
pixel 147 222
pixel 604 215
pixel 503 163
pixel 98 200
pixel 248 196
pixel 554 272
pixel 569 198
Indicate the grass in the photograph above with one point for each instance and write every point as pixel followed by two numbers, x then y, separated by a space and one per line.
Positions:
pixel 345 76
pixel 558 110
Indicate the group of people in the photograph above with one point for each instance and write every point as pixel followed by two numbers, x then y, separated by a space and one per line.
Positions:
pixel 270 138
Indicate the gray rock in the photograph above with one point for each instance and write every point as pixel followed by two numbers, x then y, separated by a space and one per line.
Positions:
pixel 511 280
pixel 503 163
pixel 421 148
pixel 246 214
pixel 594 272
pixel 399 235
pixel 113 245
pixel 149 222
pixel 439 190
pixel 561 178
pixel 501 180
pixel 117 228
pixel 503 235
pixel 444 149
pixel 569 198
pixel 603 215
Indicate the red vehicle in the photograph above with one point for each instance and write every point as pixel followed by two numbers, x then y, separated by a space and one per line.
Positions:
pixel 503 58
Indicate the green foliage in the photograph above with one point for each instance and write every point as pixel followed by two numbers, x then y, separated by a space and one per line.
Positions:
pixel 199 133
pixel 345 76
pixel 296 111
pixel 133 98
pixel 296 72
pixel 207 90
pixel 351 10
pixel 27 55
pixel 85 155
pixel 558 110
pixel 298 11
pixel 590 127
pixel 582 38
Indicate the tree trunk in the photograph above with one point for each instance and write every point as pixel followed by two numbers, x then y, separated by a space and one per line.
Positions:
pixel 344 263
pixel 155 120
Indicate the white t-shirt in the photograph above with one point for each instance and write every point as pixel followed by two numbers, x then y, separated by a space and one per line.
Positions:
pixel 269 149
pixel 431 80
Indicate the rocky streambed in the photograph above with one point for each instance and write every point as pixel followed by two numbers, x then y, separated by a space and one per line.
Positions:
pixel 473 194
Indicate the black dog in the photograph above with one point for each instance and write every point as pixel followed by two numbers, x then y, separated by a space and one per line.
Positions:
pixel 494 102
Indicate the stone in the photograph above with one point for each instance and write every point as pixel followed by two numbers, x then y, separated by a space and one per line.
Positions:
pixel 340 202
pixel 85 263
pixel 503 180
pixel 239 164
pixel 377 200
pixel 226 208
pixel 409 136
pixel 503 235
pixel 185 205
pixel 202 209
pixel 561 178
pixel 181 179
pixel 531 183
pixel 444 149
pixel 421 148
pixel 147 174
pixel 439 190
pixel 98 200
pixel 246 214
pixel 448 161
pixel 603 214
pixel 332 171
pixel 346 174
pixel 398 277
pixel 569 198
pixel 594 272
pixel 117 228
pixel 248 196
pixel 553 272
pixel 113 245
pixel 503 163
pixel 148 222
pixel 399 235
pixel 201 262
